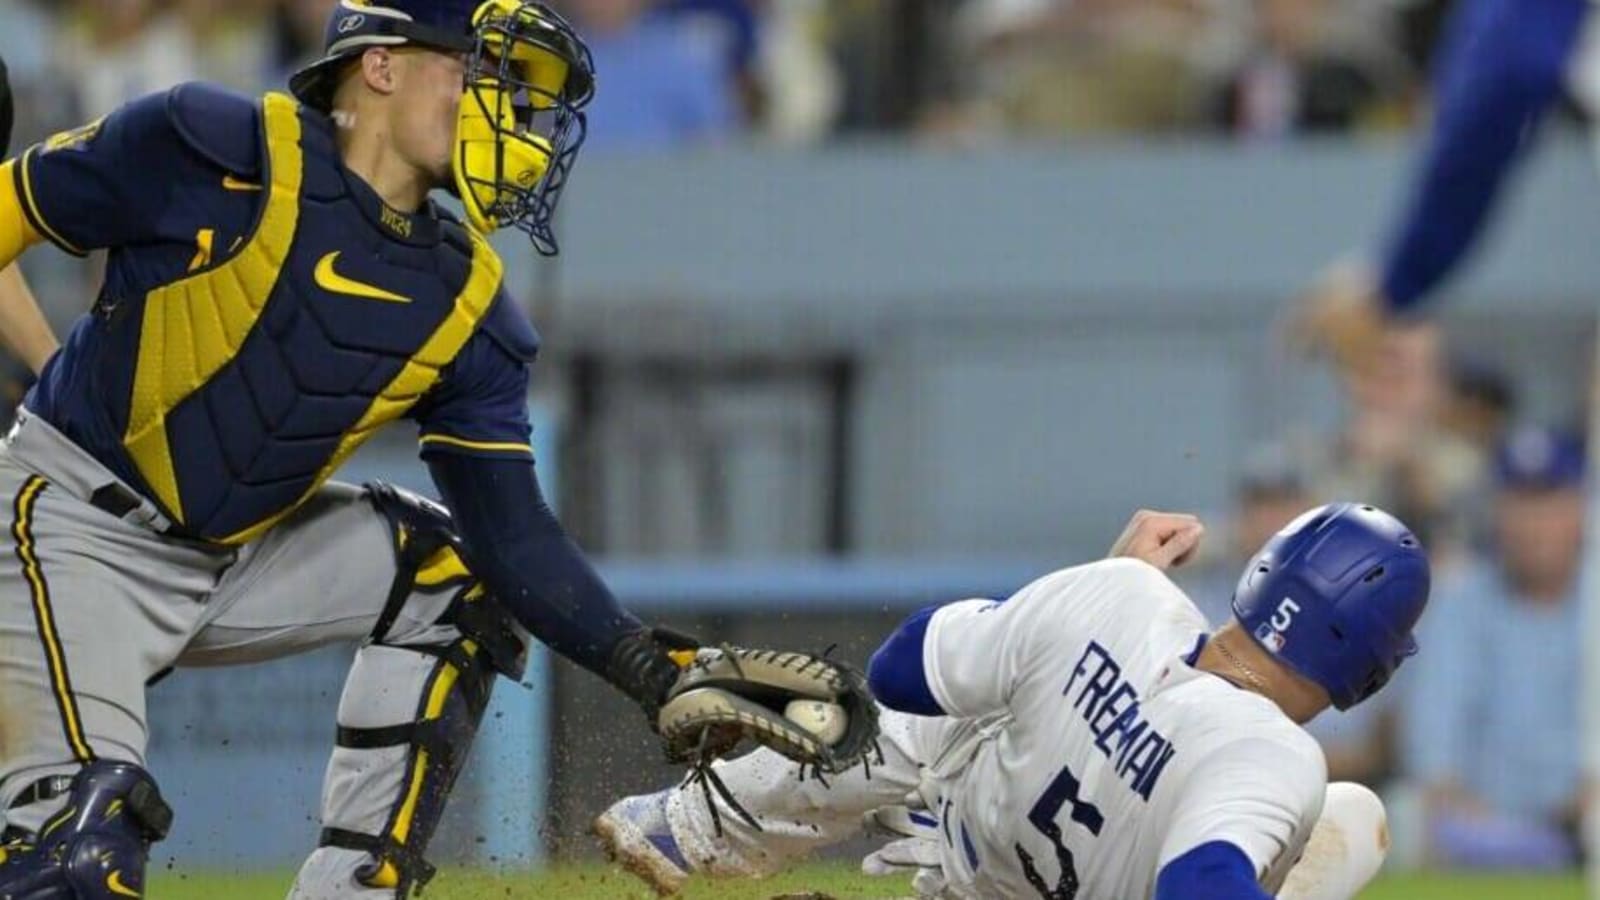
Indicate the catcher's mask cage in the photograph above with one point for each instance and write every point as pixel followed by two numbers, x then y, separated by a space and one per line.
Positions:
pixel 528 78
pixel 508 77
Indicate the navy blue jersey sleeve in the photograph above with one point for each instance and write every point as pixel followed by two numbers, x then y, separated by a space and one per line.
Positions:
pixel 515 544
pixel 1503 66
pixel 479 407
pixel 106 184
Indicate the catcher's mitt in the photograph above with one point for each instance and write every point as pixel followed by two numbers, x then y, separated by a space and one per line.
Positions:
pixel 727 695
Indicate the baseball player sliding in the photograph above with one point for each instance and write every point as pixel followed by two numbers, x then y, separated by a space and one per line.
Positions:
pixel 279 286
pixel 1087 738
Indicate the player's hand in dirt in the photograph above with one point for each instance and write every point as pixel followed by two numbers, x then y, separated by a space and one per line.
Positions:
pixel 1163 539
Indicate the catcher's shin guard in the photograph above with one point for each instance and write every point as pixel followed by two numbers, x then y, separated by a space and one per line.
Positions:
pixel 408 716
pixel 97 846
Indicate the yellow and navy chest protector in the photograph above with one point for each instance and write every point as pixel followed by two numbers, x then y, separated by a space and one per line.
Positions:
pixel 264 312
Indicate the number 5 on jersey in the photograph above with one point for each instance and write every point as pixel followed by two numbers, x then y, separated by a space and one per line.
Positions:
pixel 1062 791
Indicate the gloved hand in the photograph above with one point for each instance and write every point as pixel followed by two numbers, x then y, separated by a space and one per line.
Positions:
pixel 913 847
pixel 705 702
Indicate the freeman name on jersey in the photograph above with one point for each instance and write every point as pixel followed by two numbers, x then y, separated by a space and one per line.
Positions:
pixel 1110 707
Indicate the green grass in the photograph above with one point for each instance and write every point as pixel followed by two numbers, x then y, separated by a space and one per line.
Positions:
pixel 599 883
pixel 1474 887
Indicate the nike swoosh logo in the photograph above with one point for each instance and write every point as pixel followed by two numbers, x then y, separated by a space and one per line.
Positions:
pixel 230 183
pixel 333 282
pixel 114 885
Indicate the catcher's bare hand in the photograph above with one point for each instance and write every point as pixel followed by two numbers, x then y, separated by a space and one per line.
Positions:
pixel 1162 539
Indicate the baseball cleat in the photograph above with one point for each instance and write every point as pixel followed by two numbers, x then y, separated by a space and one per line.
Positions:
pixel 635 834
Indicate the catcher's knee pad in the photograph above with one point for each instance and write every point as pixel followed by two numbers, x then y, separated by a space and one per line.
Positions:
pixel 410 712
pixel 97 846
pixel 388 784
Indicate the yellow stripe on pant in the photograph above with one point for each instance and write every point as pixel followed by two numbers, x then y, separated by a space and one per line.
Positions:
pixel 44 617
pixel 444 679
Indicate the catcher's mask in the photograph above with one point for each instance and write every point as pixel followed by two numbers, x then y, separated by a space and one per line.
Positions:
pixel 529 77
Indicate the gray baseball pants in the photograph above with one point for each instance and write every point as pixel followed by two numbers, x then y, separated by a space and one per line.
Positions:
pixel 93 606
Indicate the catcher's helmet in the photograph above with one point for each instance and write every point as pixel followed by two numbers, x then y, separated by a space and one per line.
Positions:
pixel 528 78
pixel 1335 596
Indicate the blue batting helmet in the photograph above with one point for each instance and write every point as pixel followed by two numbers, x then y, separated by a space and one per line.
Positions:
pixel 1335 596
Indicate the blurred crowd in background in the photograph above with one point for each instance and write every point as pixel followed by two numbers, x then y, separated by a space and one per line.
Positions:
pixel 684 71
pixel 1479 738
pixel 1485 721
pixel 687 73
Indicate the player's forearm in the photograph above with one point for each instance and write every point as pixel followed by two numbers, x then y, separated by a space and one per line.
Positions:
pixel 22 324
pixel 1504 66
pixel 1214 871
pixel 516 545
pixel 23 328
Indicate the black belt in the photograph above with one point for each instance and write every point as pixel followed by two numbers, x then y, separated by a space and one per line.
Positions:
pixel 114 499
pixel 118 501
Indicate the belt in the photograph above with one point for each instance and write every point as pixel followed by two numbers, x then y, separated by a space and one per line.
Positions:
pixel 39 448
pixel 117 500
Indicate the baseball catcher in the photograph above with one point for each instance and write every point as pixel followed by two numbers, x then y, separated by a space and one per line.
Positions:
pixel 279 286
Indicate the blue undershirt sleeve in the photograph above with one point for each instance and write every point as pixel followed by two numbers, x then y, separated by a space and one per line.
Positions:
pixel 1214 871
pixel 896 675
pixel 516 545
pixel 1503 65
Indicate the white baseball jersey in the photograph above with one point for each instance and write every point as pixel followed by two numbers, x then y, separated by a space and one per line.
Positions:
pixel 1117 756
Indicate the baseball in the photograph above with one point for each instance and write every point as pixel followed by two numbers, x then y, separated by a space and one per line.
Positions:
pixel 823 719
